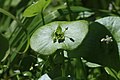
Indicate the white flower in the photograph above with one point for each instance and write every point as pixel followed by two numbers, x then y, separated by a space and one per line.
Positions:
pixel 107 39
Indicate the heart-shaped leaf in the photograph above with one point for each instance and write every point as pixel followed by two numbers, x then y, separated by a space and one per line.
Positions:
pixel 36 8
pixel 112 23
pixel 99 47
pixel 58 35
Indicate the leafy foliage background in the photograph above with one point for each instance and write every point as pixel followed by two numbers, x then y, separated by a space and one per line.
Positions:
pixel 19 62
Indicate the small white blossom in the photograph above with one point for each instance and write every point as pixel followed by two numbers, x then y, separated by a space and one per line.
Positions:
pixel 36 64
pixel 69 76
pixel 17 71
pixel 107 39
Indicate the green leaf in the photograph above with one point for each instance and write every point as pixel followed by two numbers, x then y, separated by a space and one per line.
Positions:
pixel 112 23
pixel 93 65
pixel 79 9
pixel 10 15
pixel 4 45
pixel 36 8
pixel 112 72
pixel 85 14
pixel 42 40
pixel 118 75
pixel 27 73
pixel 93 49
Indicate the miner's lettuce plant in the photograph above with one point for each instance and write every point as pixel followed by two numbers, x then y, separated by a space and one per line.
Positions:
pixel 58 35
pixel 59 40
pixel 94 43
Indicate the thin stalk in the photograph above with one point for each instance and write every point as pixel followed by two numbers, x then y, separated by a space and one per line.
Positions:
pixel 42 15
pixel 63 71
pixel 18 34
pixel 68 7
pixel 10 15
pixel 28 44
pixel 63 65
pixel 14 18
pixel 80 70
pixel 18 77
pixel 116 77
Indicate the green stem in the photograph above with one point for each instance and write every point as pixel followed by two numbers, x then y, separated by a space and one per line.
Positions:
pixel 80 70
pixel 10 15
pixel 68 7
pixel 42 15
pixel 18 77
pixel 63 65
pixel 13 17
pixel 63 71
pixel 114 74
pixel 28 43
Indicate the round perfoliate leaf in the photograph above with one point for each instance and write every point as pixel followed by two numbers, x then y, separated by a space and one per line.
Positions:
pixel 112 23
pixel 58 35
pixel 99 46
